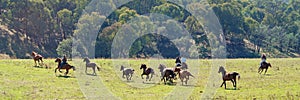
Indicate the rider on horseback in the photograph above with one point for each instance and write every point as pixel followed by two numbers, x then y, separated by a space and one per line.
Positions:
pixel 263 59
pixel 64 61
pixel 178 61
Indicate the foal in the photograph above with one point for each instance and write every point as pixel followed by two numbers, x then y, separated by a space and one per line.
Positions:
pixel 127 72
pixel 147 71
pixel 228 76
pixel 90 64
pixel 37 57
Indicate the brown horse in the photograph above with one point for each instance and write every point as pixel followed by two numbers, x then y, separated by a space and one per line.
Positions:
pixel 147 71
pixel 264 65
pixel 228 76
pixel 37 57
pixel 183 74
pixel 65 66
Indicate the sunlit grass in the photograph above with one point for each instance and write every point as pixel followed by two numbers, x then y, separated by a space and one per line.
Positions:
pixel 20 80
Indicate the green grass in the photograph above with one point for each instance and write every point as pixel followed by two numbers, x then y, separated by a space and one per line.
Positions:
pixel 20 80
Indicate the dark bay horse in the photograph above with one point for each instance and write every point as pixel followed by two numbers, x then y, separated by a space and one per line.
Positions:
pixel 147 71
pixel 168 74
pixel 65 66
pixel 264 65
pixel 228 76
pixel 37 57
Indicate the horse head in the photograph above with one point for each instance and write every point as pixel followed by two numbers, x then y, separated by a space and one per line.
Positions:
pixel 143 66
pixel 122 68
pixel 269 64
pixel 58 60
pixel 86 59
pixel 221 69
pixel 161 66
pixel 33 54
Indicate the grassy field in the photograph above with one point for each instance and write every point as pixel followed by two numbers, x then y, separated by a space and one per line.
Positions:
pixel 21 80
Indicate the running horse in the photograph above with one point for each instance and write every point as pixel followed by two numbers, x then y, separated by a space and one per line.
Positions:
pixel 264 65
pixel 228 76
pixel 147 71
pixel 65 66
pixel 37 57
pixel 167 74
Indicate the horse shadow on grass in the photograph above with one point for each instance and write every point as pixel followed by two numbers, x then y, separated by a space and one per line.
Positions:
pixel 234 89
pixel 149 82
pixel 38 66
pixel 64 76
pixel 42 66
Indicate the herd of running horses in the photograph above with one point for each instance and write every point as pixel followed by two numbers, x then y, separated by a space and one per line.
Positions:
pixel 167 74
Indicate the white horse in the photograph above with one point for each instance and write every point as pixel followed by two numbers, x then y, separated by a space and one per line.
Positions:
pixel 91 65
pixel 127 72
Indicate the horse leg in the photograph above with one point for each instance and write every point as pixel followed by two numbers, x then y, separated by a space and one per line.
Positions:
pixel 142 76
pixel 186 80
pixel 222 83
pixel 130 76
pixel 163 78
pixel 67 71
pixel 233 83
pixel 86 69
pixel 225 84
pixel 55 70
pixel 151 77
pixel 147 77
pixel 266 70
pixel 94 70
pixel 35 62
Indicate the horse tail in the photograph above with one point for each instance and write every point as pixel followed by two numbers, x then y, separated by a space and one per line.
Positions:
pixel 73 67
pixel 191 74
pixel 98 68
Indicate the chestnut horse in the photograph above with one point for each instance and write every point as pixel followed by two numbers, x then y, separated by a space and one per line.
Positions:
pixel 37 57
pixel 228 76
pixel 264 65
pixel 147 71
pixel 65 66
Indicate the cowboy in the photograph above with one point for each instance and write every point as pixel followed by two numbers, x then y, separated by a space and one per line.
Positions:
pixel 263 59
pixel 64 61
pixel 178 61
